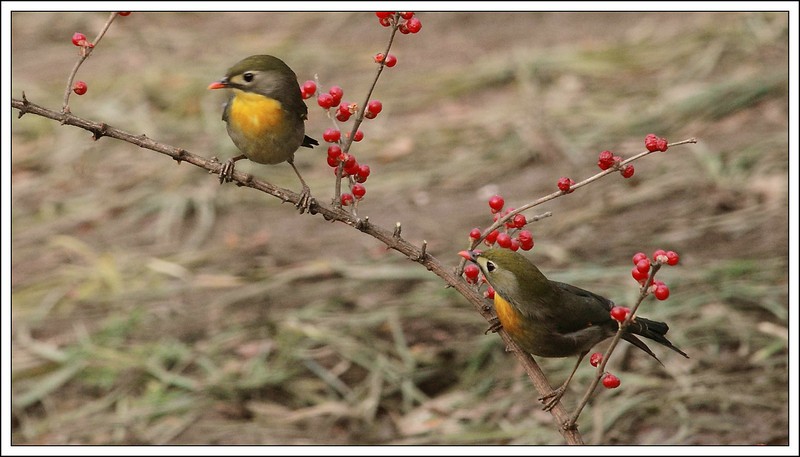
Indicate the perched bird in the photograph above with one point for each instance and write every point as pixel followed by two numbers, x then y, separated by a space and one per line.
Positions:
pixel 265 116
pixel 552 319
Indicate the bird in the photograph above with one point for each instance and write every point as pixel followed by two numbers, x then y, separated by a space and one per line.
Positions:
pixel 265 116
pixel 553 319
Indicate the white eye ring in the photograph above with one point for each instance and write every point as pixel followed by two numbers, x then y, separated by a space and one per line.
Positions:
pixel 490 266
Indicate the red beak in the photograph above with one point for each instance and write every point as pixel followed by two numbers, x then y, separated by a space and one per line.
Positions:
pixel 218 85
pixel 469 255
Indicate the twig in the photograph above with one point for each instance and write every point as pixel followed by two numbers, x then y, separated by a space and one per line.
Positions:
pixel 601 368
pixel 502 220
pixel 86 51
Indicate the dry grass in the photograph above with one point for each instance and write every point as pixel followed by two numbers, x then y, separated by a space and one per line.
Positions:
pixel 151 305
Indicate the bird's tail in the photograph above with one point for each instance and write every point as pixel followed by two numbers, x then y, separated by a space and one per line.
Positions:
pixel 650 329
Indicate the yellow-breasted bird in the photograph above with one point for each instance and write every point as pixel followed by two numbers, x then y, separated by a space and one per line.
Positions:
pixel 552 319
pixel 265 115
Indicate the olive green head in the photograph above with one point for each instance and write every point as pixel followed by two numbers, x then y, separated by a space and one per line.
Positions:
pixel 262 74
pixel 510 274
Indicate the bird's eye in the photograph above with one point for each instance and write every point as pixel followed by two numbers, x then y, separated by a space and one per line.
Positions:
pixel 248 77
pixel 490 266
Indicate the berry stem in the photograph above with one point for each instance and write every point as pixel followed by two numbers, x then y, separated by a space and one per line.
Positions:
pixel 362 108
pixel 500 221
pixel 601 368
pixel 85 53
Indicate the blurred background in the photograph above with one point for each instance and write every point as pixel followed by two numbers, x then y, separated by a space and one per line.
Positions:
pixel 150 305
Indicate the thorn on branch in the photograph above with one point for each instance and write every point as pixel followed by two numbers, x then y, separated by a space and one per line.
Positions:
pixel 97 134
pixel 362 224
pixel 397 230
pixel 24 108
pixel 181 154
pixel 422 253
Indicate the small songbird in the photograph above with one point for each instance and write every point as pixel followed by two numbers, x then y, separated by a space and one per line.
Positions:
pixel 265 116
pixel 552 319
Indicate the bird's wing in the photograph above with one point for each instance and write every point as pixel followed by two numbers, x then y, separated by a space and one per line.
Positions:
pixel 581 309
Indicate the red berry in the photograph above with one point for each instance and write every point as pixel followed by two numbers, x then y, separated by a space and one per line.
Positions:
pixel 347 199
pixel 475 233
pixel 348 160
pixel 525 236
pixel 79 39
pixel 406 14
pixel 471 271
pixel 342 116
pixel 605 160
pixel 308 89
pixel 504 240
pixel 527 245
pixel 565 184
pixel 358 191
pixel 384 14
pixel 491 237
pixel 496 203
pixel 334 151
pixel 325 100
pixel 596 359
pixel 489 293
pixel 379 57
pixel 663 145
pixel 643 266
pixel 364 171
pixel 520 221
pixel 124 13
pixel 672 258
pixel 358 136
pixel 337 93
pixel 80 87
pixel 651 142
pixel 402 28
pixel 414 25
pixel 333 161
pixel 610 381
pixel 619 313
pixel 639 256
pixel 374 107
pixel 627 172
pixel 331 135
pixel 661 292
pixel 514 245
pixel 660 256
pixel 390 60
pixel 638 275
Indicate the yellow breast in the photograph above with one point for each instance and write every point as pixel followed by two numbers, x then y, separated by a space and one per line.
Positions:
pixel 509 317
pixel 254 114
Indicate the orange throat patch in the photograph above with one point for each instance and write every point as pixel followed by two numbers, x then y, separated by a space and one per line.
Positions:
pixel 509 317
pixel 253 114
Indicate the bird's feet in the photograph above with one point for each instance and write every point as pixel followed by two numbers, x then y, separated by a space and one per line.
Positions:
pixel 305 201
pixel 551 400
pixel 226 171
pixel 494 327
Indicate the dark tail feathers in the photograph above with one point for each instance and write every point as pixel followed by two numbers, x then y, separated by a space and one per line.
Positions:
pixel 650 329
pixel 309 142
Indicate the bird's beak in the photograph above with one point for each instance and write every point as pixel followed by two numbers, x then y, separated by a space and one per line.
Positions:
pixel 221 84
pixel 469 255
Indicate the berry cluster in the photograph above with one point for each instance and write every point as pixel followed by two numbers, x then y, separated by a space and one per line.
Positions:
pixel 641 270
pixel 608 160
pixel 565 185
pixel 609 380
pixel 512 237
pixel 406 21
pixel 654 143
pixel 355 172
